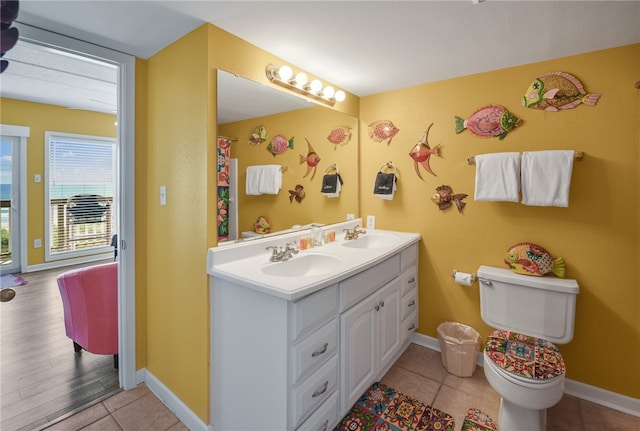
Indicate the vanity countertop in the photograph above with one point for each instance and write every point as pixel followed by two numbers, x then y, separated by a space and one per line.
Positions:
pixel 247 263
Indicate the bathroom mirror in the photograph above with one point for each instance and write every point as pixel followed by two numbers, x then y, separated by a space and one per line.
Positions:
pixel 244 104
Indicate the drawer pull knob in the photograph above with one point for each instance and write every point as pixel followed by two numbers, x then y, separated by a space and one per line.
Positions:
pixel 381 303
pixel 377 308
pixel 412 303
pixel 411 328
pixel 321 391
pixel 411 280
pixel 321 351
pixel 326 425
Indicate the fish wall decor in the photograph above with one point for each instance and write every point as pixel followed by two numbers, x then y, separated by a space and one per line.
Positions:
pixel 489 121
pixel 531 259
pixel 421 153
pixel 258 135
pixel 339 136
pixel 382 130
pixel 554 91
pixel 298 194
pixel 279 145
pixel 312 159
pixel 445 197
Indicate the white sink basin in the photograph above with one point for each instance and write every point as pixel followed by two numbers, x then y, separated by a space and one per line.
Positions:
pixel 372 240
pixel 303 265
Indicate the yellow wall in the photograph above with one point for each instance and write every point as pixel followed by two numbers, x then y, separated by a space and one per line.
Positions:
pixel 598 235
pixel 313 124
pixel 39 118
pixel 141 172
pixel 176 234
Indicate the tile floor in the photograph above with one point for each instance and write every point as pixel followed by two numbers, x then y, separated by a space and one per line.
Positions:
pixel 418 373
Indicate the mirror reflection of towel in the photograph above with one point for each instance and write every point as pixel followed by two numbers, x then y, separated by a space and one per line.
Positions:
pixel 264 179
pixel 331 185
pixel 385 185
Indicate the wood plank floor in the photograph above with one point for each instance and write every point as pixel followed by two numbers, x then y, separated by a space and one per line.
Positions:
pixel 41 377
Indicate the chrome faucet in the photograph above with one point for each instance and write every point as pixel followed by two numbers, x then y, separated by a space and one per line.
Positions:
pixel 280 254
pixel 353 233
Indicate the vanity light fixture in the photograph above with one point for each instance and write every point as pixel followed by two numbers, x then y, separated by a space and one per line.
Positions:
pixel 299 83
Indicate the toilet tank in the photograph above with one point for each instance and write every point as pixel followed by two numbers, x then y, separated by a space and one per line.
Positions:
pixel 542 307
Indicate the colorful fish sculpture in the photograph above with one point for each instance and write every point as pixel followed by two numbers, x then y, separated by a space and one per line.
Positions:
pixel 297 194
pixel 422 152
pixel 489 121
pixel 258 135
pixel 382 130
pixel 554 91
pixel 279 145
pixel 312 159
pixel 445 197
pixel 531 259
pixel 341 135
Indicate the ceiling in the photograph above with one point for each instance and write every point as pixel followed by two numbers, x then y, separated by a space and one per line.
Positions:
pixel 363 47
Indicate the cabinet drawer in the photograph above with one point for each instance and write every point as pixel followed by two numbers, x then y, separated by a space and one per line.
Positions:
pixel 312 311
pixel 409 303
pixel 409 256
pixel 409 326
pixel 324 418
pixel 362 285
pixel 314 350
pixel 409 281
pixel 314 390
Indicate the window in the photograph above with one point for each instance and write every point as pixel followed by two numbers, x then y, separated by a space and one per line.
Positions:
pixel 79 194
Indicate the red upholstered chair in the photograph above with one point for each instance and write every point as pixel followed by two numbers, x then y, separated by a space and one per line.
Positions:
pixel 90 302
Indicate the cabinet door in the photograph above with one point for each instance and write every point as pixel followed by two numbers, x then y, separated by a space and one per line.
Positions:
pixel 389 321
pixel 358 349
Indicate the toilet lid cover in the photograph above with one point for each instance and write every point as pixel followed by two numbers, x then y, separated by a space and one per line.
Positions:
pixel 524 356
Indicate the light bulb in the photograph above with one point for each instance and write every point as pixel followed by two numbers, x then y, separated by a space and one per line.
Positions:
pixel 285 73
pixel 315 85
pixel 328 92
pixel 339 96
pixel 301 79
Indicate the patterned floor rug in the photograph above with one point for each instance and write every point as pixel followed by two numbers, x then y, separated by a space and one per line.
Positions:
pixel 382 408
pixel 9 280
pixel 476 420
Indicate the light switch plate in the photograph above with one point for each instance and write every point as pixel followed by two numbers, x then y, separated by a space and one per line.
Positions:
pixel 163 195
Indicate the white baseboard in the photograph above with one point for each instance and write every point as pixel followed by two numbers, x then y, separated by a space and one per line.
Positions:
pixel 68 262
pixel 583 391
pixel 175 404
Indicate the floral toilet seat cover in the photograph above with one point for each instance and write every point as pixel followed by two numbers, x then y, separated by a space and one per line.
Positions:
pixel 524 356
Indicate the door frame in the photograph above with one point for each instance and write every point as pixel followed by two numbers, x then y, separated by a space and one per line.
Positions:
pixel 126 184
pixel 21 133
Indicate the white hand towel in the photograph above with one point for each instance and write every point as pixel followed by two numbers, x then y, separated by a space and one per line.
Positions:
pixel 497 177
pixel 264 179
pixel 546 177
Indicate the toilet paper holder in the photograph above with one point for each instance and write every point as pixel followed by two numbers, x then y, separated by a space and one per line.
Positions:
pixel 473 276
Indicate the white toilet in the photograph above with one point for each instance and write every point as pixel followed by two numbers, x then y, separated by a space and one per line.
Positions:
pixel 520 361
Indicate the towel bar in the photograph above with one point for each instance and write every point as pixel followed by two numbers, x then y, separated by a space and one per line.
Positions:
pixel 228 138
pixel 576 154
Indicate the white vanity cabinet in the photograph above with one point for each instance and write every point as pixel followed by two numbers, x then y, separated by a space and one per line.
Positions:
pixel 369 332
pixel 292 353
pixel 274 362
pixel 375 329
